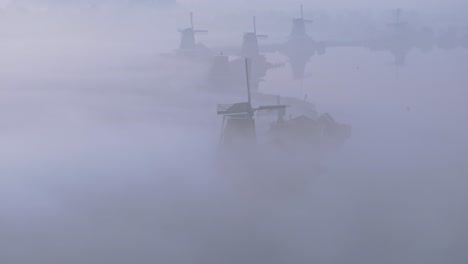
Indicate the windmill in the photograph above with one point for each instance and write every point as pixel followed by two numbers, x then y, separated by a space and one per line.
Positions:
pixel 398 24
pixel 238 125
pixel 250 42
pixel 299 29
pixel 300 47
pixel 398 42
pixel 187 36
pixel 403 39
pixel 226 74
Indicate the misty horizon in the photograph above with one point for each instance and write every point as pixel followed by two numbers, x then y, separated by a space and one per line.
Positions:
pixel 114 148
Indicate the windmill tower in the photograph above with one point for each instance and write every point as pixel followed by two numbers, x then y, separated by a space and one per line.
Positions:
pixel 400 44
pixel 298 29
pixel 187 36
pixel 301 47
pixel 250 42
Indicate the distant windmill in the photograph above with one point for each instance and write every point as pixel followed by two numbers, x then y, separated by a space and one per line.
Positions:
pixel 398 24
pixel 187 35
pixel 250 42
pixel 299 29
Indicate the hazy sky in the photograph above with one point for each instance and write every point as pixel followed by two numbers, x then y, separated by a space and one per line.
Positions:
pixel 311 4
pixel 416 4
pixel 109 151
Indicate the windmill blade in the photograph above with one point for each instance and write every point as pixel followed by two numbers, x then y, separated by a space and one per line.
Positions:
pixel 247 72
pixel 259 36
pixel 398 23
pixel 254 26
pixel 270 107
pixel 191 20
pixel 271 110
pixel 302 13
pixel 193 27
pixel 398 14
pixel 302 17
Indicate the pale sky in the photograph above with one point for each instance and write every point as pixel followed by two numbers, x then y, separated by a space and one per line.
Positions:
pixel 374 4
pixel 445 5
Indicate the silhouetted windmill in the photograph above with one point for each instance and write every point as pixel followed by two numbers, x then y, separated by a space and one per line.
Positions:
pixel 230 73
pixel 398 24
pixel 299 25
pixel 250 42
pixel 187 35
pixel 403 39
pixel 238 125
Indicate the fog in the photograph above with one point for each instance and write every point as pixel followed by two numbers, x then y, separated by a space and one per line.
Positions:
pixel 110 143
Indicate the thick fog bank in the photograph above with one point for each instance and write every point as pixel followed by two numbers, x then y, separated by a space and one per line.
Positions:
pixel 109 151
